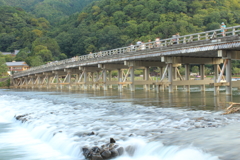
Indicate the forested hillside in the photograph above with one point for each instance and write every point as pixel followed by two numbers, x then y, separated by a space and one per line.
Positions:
pixel 102 25
pixel 52 10
pixel 20 30
pixel 109 24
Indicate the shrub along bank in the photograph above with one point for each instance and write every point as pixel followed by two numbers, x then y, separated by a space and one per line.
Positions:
pixel 5 82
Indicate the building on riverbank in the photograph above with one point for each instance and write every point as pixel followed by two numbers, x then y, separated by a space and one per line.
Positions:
pixel 17 66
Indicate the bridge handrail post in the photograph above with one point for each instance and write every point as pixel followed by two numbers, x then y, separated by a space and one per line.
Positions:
pixel 206 35
pixel 190 38
pixel 199 37
pixel 233 31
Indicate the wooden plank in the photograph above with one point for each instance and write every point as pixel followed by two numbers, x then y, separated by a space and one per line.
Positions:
pixel 80 83
pixel 124 82
pixel 63 83
pixel 220 84
pixel 236 84
pixel 111 82
pixel 192 82
pixel 143 82
pixel 161 83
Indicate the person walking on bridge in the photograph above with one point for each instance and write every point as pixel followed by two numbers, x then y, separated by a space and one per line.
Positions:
pixel 223 26
pixel 175 38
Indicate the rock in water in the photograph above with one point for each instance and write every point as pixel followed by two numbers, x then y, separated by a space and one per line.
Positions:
pixel 87 152
pixel 96 156
pixel 106 154
pixel 96 149
pixel 114 153
pixel 112 140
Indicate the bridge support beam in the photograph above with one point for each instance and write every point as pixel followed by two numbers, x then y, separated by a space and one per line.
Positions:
pixel 119 77
pixel 69 80
pixel 187 74
pixel 47 81
pixel 162 87
pixel 57 80
pixel 170 77
pixel 85 80
pixel 132 86
pixel 229 75
pixel 26 82
pixel 110 77
pixel 175 76
pixel 216 88
pixel 202 74
pixel 104 79
pixel 146 75
pixel 96 86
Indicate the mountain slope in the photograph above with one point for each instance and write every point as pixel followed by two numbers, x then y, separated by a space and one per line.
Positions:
pixel 52 10
pixel 110 24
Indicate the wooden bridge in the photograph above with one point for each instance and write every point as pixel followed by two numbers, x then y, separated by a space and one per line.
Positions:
pixel 94 71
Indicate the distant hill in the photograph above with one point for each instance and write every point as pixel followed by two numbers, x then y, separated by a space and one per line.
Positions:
pixel 49 30
pixel 52 10
pixel 19 29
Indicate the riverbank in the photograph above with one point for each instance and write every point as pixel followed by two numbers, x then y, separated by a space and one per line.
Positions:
pixel 5 83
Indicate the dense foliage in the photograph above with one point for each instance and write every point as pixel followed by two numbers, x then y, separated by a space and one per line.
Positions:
pixel 3 66
pixel 20 30
pixel 52 10
pixel 103 24
pixel 110 24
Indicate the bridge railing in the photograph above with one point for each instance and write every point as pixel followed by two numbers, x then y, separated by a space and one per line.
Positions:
pixel 207 35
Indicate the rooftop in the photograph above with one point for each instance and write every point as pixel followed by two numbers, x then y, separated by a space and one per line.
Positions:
pixel 21 63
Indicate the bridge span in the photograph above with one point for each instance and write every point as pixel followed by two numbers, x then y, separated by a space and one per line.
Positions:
pixel 94 71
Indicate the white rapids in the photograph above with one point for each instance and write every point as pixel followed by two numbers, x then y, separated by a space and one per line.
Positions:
pixel 59 125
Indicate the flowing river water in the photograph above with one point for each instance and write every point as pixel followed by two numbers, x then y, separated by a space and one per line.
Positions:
pixel 161 126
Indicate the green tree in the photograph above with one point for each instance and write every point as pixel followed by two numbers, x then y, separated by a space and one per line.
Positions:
pixel 3 66
pixel 50 43
pixel 5 41
pixel 9 58
pixel 22 54
pixel 34 61
pixel 195 69
pixel 236 70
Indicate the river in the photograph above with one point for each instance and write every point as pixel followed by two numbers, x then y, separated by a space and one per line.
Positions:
pixel 163 126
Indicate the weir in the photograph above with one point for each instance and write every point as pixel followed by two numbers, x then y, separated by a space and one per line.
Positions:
pixel 94 71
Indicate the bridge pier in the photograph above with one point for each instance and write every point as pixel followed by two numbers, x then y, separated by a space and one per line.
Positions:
pixel 69 82
pixel 228 75
pixel 85 80
pixel 202 74
pixel 170 77
pixel 216 88
pixel 187 75
pixel 57 80
pixel 26 82
pixel 132 85
pixel 146 78
pixel 110 78
pixel 162 87
pixel 119 77
pixel 104 79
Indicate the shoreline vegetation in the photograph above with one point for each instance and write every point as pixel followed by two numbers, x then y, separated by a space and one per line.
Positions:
pixel 5 83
